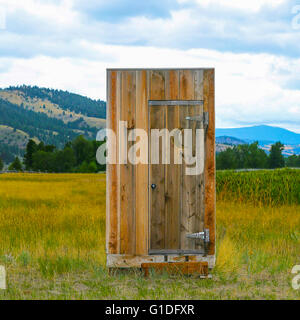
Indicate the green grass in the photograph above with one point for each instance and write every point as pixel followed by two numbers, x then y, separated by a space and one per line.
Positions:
pixel 265 187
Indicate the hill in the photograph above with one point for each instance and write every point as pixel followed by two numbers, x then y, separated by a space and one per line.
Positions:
pixel 229 140
pixel 52 116
pixel 263 133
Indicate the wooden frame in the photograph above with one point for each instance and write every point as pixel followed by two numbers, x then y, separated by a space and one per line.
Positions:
pixel 127 202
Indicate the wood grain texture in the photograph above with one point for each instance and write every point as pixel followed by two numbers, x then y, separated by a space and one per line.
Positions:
pixel 172 186
pixel 141 179
pixel 111 171
pixel 177 268
pixel 127 171
pixel 157 85
pixel 210 186
pixel 200 180
pixel 128 203
pixel 157 171
pixel 135 261
pixel 186 85
pixel 172 171
pixel 157 178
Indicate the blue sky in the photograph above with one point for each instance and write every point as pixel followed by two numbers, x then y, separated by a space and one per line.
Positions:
pixel 254 46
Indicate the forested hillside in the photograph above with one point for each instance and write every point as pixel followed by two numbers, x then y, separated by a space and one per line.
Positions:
pixel 52 116
pixel 66 100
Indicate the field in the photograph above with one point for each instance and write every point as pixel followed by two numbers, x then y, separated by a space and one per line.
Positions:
pixel 52 240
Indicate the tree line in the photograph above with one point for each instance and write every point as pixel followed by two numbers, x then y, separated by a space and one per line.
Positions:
pixel 78 155
pixel 250 156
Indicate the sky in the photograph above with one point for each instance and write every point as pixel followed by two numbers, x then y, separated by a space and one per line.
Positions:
pixel 254 46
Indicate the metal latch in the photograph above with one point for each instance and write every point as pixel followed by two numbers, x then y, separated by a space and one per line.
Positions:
pixel 201 118
pixel 199 235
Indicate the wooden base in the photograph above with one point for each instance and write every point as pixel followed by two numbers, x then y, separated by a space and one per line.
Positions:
pixel 133 261
pixel 177 268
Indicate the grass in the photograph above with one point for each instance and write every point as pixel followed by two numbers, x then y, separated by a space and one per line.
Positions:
pixel 271 188
pixel 52 242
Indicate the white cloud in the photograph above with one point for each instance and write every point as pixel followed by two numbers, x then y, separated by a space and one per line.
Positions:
pixel 249 87
pixel 253 5
pixel 250 43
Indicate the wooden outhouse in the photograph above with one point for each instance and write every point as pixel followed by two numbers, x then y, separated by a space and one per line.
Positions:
pixel 156 212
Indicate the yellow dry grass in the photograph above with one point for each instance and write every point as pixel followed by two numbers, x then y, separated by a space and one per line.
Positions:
pixel 52 241
pixel 53 215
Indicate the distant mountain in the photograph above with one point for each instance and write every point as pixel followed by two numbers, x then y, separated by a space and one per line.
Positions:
pixel 51 116
pixel 265 134
pixel 229 140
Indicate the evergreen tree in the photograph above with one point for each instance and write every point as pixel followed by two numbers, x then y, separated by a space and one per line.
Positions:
pixel 276 159
pixel 1 165
pixel 30 149
pixel 16 165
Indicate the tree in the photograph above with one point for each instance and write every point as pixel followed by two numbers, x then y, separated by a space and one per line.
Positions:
pixel 43 161
pixel 83 150
pixel 227 159
pixel 1 165
pixel 276 159
pixel 16 165
pixel 30 149
pixel 293 161
pixel 65 160
pixel 86 167
pixel 257 157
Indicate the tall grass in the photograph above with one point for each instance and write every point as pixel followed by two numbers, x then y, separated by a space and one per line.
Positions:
pixel 55 220
pixel 265 187
pixel 53 225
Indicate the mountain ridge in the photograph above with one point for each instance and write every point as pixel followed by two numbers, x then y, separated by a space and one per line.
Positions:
pixel 263 133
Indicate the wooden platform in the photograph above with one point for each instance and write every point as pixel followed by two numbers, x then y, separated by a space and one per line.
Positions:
pixel 177 268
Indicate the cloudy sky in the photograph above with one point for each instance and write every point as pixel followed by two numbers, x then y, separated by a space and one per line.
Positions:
pixel 254 46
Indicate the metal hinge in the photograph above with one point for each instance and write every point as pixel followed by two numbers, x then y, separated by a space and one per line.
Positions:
pixel 199 235
pixel 201 118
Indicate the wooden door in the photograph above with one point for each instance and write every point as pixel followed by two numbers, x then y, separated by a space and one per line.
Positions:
pixel 176 200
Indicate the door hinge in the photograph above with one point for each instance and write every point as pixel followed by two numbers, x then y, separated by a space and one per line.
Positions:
pixel 199 235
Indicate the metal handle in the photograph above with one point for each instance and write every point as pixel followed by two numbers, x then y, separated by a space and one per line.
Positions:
pixel 153 186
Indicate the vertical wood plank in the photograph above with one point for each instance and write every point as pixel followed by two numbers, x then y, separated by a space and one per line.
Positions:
pixel 112 177
pixel 119 147
pixel 173 187
pixel 157 171
pixel 172 85
pixel 186 92
pixel 209 106
pixel 127 171
pixel 172 170
pixel 141 183
pixel 157 91
pixel 186 85
pixel 157 177
pixel 200 183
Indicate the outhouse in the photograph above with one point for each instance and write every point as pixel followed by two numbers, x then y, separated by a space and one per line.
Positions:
pixel 160 205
